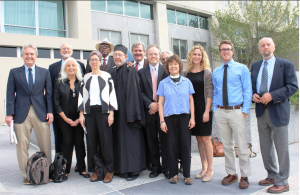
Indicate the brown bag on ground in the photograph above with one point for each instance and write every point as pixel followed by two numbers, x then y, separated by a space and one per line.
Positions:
pixel 251 154
pixel 218 147
pixel 38 168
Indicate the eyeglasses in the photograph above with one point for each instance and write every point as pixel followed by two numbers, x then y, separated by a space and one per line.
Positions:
pixel 94 60
pixel 106 46
pixel 164 59
pixel 226 50
pixel 118 55
pixel 74 92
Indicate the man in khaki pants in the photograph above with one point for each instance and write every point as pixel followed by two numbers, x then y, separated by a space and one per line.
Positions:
pixel 231 103
pixel 29 104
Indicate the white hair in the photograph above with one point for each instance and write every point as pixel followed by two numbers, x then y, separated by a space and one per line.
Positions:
pixel 65 43
pixel 169 52
pixel 31 46
pixel 64 75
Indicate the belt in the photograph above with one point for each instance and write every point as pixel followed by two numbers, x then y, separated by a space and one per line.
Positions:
pixel 231 107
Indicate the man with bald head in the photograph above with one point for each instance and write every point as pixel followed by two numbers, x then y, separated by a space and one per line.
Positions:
pixel 274 80
pixel 66 51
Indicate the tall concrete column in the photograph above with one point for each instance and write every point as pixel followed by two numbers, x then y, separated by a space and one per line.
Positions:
pixel 161 24
pixel 79 19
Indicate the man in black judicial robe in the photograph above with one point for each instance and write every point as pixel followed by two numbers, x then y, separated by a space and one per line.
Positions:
pixel 129 146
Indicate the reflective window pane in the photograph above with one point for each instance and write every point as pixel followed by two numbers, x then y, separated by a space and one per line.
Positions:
pixel 52 33
pixel 181 18
pixel 193 20
pixel 133 38
pixel 115 38
pixel 19 13
pixel 171 16
pixel 131 8
pixel 19 30
pixel 57 54
pixel 183 49
pixel 86 55
pixel 43 53
pixel 104 34
pixel 115 7
pixel 203 22
pixel 146 11
pixel 144 39
pixel 8 52
pixel 200 43
pixel 51 15
pixel 176 47
pixel 76 54
pixel 98 5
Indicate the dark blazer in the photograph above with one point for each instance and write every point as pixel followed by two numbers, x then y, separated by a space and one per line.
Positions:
pixel 54 70
pixel 146 62
pixel 110 67
pixel 283 85
pixel 61 96
pixel 19 98
pixel 146 86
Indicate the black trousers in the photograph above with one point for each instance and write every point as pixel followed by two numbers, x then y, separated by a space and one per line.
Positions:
pixel 58 135
pixel 98 131
pixel 154 136
pixel 73 136
pixel 179 138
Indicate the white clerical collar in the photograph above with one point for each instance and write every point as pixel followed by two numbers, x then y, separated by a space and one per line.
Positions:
pixel 175 77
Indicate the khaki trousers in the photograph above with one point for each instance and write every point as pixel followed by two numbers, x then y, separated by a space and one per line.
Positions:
pixel 229 123
pixel 23 131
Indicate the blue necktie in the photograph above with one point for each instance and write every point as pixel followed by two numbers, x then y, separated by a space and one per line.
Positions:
pixel 264 80
pixel 30 80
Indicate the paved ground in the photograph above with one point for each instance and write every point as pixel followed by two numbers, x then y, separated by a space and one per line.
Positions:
pixel 11 179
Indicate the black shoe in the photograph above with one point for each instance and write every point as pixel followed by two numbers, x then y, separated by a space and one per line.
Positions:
pixel 85 175
pixel 154 173
pixel 167 175
pixel 131 177
pixel 180 170
pixel 65 178
pixel 76 169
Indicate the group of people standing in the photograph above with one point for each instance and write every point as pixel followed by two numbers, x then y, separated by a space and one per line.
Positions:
pixel 136 112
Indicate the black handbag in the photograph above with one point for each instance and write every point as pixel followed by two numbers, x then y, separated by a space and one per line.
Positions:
pixel 57 170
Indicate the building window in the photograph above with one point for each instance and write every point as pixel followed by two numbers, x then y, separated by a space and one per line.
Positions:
pixel 86 54
pixel 199 43
pixel 43 53
pixel 136 37
pixel 112 36
pixel 21 16
pixel 128 8
pixel 187 19
pixel 76 54
pixel 8 51
pixel 180 48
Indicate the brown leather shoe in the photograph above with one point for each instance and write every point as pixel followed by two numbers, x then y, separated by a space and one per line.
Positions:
pixel 27 182
pixel 244 183
pixel 229 179
pixel 266 182
pixel 94 177
pixel 108 178
pixel 278 189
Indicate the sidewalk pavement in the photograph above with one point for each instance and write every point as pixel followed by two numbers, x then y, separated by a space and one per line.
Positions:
pixel 11 179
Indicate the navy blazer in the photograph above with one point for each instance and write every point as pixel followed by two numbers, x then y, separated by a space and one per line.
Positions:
pixel 283 85
pixel 146 86
pixel 19 98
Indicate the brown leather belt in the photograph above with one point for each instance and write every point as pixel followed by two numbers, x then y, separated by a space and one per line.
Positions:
pixel 231 107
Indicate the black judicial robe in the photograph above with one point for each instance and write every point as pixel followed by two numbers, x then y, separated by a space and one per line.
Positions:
pixel 129 146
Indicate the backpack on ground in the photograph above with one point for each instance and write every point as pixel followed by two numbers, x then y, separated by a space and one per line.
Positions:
pixel 58 168
pixel 100 166
pixel 38 168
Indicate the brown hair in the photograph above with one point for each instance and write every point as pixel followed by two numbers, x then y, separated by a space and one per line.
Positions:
pixel 173 58
pixel 226 42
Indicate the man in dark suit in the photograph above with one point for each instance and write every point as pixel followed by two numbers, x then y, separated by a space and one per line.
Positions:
pixel 105 48
pixel 274 80
pixel 150 77
pixel 66 51
pixel 138 52
pixel 29 104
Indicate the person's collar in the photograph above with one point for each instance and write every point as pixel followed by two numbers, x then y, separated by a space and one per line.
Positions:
pixel 26 67
pixel 118 68
pixel 272 59
pixel 230 63
pixel 105 58
pixel 175 77
pixel 140 63
pixel 156 66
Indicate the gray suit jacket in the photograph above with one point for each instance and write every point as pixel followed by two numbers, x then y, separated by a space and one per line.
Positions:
pixel 111 66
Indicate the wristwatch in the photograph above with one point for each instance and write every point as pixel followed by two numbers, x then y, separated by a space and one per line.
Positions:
pixel 161 122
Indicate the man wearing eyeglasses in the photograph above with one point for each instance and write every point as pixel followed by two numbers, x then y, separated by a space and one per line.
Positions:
pixel 231 103
pixel 66 51
pixel 105 48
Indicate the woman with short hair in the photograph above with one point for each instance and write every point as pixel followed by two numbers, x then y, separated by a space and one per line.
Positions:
pixel 176 112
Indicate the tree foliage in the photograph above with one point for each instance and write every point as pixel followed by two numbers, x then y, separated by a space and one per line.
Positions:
pixel 245 23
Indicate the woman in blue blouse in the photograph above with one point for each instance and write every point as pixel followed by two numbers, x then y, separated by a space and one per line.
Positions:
pixel 177 117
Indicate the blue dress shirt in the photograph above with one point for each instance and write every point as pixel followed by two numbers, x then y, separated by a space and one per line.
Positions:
pixel 176 96
pixel 239 86
pixel 27 73
pixel 270 67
